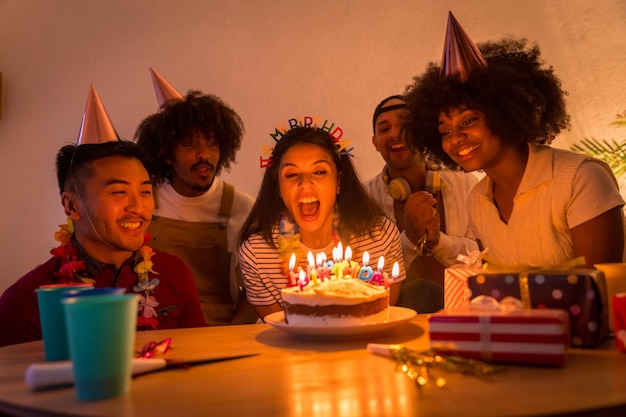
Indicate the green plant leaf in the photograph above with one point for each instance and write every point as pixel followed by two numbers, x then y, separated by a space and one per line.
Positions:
pixel 611 151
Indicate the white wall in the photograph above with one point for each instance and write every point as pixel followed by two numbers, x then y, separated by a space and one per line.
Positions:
pixel 270 60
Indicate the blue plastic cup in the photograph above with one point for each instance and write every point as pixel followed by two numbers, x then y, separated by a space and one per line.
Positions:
pixel 52 318
pixel 101 334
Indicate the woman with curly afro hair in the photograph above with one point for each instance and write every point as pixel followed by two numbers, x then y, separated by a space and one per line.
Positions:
pixel 197 216
pixel 537 205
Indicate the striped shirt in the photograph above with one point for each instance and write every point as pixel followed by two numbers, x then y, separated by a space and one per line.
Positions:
pixel 261 265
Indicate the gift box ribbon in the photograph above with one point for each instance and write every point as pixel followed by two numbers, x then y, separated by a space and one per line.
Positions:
pixel 491 265
pixel 486 303
pixel 473 258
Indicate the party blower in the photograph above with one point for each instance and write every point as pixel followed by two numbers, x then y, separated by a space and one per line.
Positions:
pixel 47 375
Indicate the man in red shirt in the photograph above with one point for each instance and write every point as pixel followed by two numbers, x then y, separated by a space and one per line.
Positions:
pixel 106 194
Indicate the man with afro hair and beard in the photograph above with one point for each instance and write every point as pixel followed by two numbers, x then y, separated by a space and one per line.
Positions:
pixel 197 216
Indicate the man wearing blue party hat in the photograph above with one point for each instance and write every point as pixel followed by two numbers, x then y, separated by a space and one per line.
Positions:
pixel 198 216
pixel 106 194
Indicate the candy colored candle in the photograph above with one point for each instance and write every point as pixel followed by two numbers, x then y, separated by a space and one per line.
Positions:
pixel 311 271
pixel 292 275
pixel 337 254
pixel 365 273
pixel 322 267
pixel 328 263
pixel 377 277
pixel 352 267
pixel 302 279
pixel 395 271
pixel 343 261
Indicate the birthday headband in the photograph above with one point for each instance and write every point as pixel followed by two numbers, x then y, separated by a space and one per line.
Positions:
pixel 305 121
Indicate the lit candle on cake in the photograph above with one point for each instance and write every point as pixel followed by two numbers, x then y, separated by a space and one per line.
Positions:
pixel 322 266
pixel 311 271
pixel 365 273
pixel 395 271
pixel 302 280
pixel 377 277
pixel 328 263
pixel 337 255
pixel 344 261
pixel 292 275
pixel 352 267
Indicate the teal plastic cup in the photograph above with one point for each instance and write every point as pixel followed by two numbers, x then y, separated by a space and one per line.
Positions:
pixel 101 334
pixel 52 318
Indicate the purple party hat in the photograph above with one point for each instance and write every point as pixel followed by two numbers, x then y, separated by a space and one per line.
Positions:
pixel 460 54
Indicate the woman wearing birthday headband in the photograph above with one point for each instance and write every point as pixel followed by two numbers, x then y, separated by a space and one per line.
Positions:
pixel 496 112
pixel 311 200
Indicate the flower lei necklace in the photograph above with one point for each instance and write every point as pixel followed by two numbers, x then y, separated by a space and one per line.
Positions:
pixel 289 241
pixel 71 268
pixel 147 313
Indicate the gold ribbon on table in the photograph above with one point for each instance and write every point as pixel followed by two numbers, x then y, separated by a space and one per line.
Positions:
pixel 419 366
pixel 491 265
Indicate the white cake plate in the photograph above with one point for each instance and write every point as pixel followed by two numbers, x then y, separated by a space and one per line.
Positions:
pixel 397 316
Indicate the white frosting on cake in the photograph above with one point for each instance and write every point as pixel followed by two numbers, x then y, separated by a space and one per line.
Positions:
pixel 344 291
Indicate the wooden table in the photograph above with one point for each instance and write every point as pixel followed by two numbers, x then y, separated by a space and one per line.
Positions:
pixel 295 377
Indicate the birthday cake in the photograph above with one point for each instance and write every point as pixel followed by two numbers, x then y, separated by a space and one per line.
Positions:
pixel 342 301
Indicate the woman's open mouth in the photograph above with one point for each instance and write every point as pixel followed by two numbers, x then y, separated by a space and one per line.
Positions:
pixel 308 207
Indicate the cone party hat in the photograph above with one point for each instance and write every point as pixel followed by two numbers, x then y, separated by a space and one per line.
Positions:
pixel 164 91
pixel 96 126
pixel 460 54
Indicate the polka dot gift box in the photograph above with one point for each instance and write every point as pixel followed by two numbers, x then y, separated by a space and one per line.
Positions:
pixel 580 292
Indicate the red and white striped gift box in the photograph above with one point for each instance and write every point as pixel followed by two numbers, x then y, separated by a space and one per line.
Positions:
pixel 538 336
pixel 456 293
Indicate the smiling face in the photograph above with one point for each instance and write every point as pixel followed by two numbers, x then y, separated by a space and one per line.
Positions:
pixel 308 183
pixel 388 138
pixel 113 213
pixel 467 139
pixel 194 164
